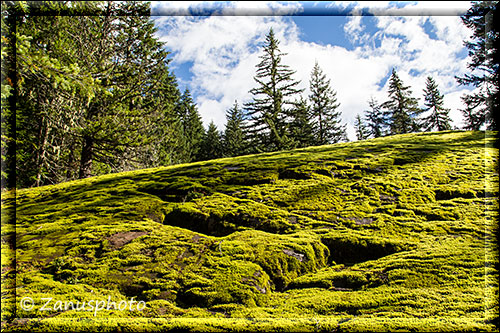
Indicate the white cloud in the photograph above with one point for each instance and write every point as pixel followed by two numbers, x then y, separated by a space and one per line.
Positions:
pixel 224 52
pixel 239 8
pixel 225 49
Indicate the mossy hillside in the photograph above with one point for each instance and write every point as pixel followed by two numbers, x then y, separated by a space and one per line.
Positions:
pixel 383 234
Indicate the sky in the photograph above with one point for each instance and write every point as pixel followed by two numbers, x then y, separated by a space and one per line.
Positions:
pixel 215 47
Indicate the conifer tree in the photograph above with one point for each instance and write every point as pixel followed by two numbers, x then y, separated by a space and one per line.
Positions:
pixel 93 92
pixel 375 119
pixel 123 53
pixel 234 136
pixel 44 81
pixel 326 118
pixel 483 103
pixel 268 112
pixel 301 129
pixel 192 127
pixel 211 145
pixel 361 129
pixel 438 119
pixel 474 112
pixel 401 108
pixel 163 129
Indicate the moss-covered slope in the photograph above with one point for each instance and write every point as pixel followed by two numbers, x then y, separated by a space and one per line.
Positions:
pixel 384 234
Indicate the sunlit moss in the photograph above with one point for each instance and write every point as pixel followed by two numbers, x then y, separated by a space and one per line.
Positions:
pixel 394 233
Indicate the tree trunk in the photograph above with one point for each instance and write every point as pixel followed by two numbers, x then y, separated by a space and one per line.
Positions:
pixel 40 155
pixel 86 159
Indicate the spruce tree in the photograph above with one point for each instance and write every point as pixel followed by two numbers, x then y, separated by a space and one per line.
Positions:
pixel 192 127
pixel 163 129
pixel 401 108
pixel 44 83
pixel 375 119
pixel 475 111
pixel 326 118
pixel 438 119
pixel 301 128
pixel 93 92
pixel 234 136
pixel 268 112
pixel 211 145
pixel 484 101
pixel 123 53
pixel 361 129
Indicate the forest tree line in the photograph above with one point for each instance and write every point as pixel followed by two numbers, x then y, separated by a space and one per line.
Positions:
pixel 87 90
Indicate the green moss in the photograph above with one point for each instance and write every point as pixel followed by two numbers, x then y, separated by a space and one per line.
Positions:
pixel 393 233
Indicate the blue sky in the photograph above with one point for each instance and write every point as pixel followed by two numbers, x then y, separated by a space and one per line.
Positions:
pixel 215 47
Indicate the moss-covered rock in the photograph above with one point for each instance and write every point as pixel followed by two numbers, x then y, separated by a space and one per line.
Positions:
pixel 394 233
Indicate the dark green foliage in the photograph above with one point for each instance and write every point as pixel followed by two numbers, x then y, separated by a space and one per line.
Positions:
pixel 475 111
pixel 438 119
pixel 43 79
pixel 480 106
pixel 234 140
pixel 164 135
pixel 211 144
pixel 401 108
pixel 375 119
pixel 192 128
pixel 268 111
pixel 388 234
pixel 302 132
pixel 323 102
pixel 361 128
pixel 95 93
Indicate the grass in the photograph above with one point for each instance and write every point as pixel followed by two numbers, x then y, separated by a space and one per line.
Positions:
pixel 395 233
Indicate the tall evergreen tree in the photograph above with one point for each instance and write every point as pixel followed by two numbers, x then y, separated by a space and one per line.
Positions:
pixel 375 119
pixel 89 101
pixel 361 129
pixel 234 135
pixel 438 119
pixel 401 108
pixel 323 101
pixel 42 80
pixel 301 129
pixel 164 144
pixel 192 127
pixel 482 104
pixel 211 145
pixel 268 112
pixel 475 111
pixel 121 50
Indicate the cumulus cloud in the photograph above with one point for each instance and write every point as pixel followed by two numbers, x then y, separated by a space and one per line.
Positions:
pixel 223 52
pixel 209 8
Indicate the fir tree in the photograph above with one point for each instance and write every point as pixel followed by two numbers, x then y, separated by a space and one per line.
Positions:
pixel 301 127
pixel 475 111
pixel 163 129
pixel 401 108
pixel 192 127
pixel 375 119
pixel 361 129
pixel 44 82
pixel 126 57
pixel 267 112
pixel 323 101
pixel 484 101
pixel 93 93
pixel 438 119
pixel 234 136
pixel 211 145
